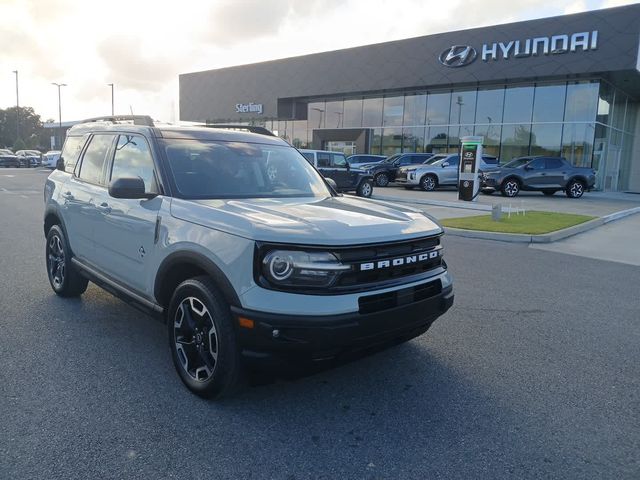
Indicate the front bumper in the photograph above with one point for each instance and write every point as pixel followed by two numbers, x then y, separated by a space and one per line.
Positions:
pixel 407 178
pixel 387 319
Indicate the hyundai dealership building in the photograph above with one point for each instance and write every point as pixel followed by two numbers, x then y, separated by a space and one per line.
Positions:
pixel 566 86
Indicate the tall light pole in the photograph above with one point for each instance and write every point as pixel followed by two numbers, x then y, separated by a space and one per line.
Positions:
pixel 59 85
pixel 112 109
pixel 17 108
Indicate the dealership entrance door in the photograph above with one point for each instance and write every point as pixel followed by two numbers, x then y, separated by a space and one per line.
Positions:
pixel 347 140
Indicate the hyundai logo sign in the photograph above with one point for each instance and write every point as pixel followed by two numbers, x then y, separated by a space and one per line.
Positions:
pixel 458 56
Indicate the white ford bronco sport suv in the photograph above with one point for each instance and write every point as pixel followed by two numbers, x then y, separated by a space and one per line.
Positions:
pixel 186 223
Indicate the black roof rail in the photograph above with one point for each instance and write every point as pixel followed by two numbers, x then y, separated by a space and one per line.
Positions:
pixel 137 119
pixel 250 128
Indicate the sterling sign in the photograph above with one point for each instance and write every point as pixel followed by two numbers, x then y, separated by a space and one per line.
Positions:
pixel 461 55
pixel 249 108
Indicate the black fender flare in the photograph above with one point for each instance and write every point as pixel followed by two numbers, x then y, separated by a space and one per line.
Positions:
pixel 202 262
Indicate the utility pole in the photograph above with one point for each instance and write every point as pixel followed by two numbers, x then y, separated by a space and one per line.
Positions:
pixel 59 85
pixel 17 108
pixel 112 109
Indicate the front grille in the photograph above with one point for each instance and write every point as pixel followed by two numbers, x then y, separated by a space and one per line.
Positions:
pixel 377 254
pixel 389 300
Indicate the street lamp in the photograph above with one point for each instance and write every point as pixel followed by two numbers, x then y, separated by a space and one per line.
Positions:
pixel 17 108
pixel 321 112
pixel 59 85
pixel 111 85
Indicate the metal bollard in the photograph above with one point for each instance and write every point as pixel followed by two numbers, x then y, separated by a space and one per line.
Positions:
pixel 496 212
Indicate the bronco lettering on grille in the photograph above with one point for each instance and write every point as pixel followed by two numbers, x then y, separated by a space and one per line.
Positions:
pixel 423 257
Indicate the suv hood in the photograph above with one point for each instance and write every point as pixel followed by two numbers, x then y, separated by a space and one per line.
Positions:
pixel 329 221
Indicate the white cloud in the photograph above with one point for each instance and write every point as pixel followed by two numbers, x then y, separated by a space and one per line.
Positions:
pixel 143 45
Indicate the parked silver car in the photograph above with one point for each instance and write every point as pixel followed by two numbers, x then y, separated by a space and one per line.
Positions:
pixel 440 170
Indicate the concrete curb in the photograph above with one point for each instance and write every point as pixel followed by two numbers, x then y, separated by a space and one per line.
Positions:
pixel 546 237
pixel 437 203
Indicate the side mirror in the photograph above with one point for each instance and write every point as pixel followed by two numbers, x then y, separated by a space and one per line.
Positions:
pixel 60 164
pixel 445 164
pixel 332 183
pixel 128 187
pixel 528 167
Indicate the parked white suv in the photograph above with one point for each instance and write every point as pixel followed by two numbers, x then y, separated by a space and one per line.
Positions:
pixel 440 170
pixel 245 265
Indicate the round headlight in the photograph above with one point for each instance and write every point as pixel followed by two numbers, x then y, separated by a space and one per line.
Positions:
pixel 281 267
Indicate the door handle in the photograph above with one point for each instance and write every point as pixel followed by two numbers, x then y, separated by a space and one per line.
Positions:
pixel 104 208
pixel 67 195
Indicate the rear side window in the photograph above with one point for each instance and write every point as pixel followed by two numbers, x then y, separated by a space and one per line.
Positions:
pixel 133 159
pixel 553 163
pixel 339 160
pixel 94 158
pixel 324 159
pixel 71 152
pixel 537 164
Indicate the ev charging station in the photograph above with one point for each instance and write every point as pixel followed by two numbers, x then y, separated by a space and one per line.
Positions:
pixel 470 155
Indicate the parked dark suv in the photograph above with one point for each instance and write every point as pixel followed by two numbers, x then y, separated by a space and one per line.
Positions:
pixel 334 165
pixel 385 171
pixel 543 174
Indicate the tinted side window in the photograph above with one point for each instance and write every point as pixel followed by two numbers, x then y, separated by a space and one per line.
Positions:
pixel 94 158
pixel 71 152
pixel 324 159
pixel 537 164
pixel 406 160
pixel 553 163
pixel 454 160
pixel 133 159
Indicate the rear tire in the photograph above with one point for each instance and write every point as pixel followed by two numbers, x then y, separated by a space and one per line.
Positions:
pixel 203 340
pixel 64 278
pixel 365 189
pixel 575 189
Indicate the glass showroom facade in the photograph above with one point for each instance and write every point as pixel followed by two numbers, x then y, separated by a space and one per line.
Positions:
pixel 588 121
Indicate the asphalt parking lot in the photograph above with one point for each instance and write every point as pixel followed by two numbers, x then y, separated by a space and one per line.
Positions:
pixel 534 373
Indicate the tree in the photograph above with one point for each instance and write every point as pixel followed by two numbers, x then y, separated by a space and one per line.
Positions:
pixel 32 133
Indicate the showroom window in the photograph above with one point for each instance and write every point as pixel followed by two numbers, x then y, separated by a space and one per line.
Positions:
pixel 518 104
pixel 392 111
pixel 333 114
pixel 515 141
pixel 372 112
pixel 438 108
pixel 352 116
pixel 413 139
pixel 415 107
pixel 548 104
pixel 582 102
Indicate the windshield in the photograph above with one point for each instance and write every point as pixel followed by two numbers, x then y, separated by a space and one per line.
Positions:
pixel 207 169
pixel 392 158
pixel 517 162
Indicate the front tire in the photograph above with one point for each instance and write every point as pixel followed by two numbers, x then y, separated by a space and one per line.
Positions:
pixel 510 188
pixel 382 180
pixel 575 189
pixel 428 183
pixel 365 189
pixel 202 339
pixel 65 280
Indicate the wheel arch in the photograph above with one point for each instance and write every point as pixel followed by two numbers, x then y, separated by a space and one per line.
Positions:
pixel 51 218
pixel 180 266
pixel 579 178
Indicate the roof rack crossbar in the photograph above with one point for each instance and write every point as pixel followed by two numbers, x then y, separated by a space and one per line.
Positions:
pixel 250 128
pixel 137 119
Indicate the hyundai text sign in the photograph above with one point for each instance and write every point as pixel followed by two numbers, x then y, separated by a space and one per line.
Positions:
pixel 249 108
pixel 461 55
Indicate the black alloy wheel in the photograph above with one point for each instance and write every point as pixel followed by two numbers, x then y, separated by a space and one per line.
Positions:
pixel 202 339
pixel 65 280
pixel 382 179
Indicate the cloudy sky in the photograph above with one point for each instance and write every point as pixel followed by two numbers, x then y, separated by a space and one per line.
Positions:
pixel 142 45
